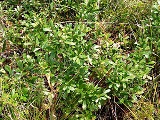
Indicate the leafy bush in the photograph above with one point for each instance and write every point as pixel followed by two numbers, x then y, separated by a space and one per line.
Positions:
pixel 53 69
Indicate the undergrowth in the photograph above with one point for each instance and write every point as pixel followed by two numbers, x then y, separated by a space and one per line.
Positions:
pixel 85 60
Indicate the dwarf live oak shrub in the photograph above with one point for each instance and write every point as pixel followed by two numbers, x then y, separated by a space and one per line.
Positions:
pixel 72 69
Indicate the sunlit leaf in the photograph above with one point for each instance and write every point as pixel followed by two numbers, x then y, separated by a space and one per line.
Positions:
pixel 47 29
pixel 70 43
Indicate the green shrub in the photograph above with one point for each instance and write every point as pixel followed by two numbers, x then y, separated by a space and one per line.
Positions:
pixel 70 69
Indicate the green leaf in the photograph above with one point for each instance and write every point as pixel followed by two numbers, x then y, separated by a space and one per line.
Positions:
pixel 25 91
pixel 110 85
pixel 27 43
pixel 71 88
pixel 2 71
pixel 20 65
pixel 47 29
pixel 52 5
pixel 117 85
pixel 107 91
pixel 84 105
pixel 23 98
pixel 8 69
pixel 124 85
pixel 36 49
pixel 131 76
pixel 78 61
pixel 70 43
pixel 152 62
pixel 99 106
pixel 14 96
